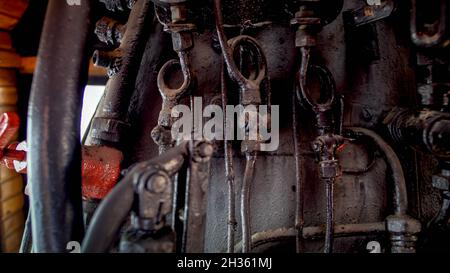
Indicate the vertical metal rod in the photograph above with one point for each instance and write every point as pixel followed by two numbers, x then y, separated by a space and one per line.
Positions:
pixel 229 170
pixel 299 214
pixel 245 202
pixel 329 230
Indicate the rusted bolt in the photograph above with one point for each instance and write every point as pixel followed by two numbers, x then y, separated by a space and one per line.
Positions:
pixel 158 183
pixel 109 31
pixel 179 13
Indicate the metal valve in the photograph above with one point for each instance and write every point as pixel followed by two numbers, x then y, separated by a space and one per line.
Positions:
pixel 13 154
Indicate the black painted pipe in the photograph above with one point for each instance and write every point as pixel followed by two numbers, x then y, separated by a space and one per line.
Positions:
pixel 54 156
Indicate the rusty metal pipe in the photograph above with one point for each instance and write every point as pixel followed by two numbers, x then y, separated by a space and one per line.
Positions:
pixel 299 185
pixel 54 169
pixel 111 119
pixel 400 193
pixel 245 202
pixel 314 232
pixel 229 171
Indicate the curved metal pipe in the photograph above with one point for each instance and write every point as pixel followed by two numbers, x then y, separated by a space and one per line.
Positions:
pixel 400 193
pixel 229 170
pixel 299 183
pixel 109 217
pixel 245 202
pixel 313 232
pixel 329 226
pixel 54 165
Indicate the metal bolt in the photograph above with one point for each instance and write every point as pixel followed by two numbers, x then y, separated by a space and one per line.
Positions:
pixel 158 183
pixel 179 13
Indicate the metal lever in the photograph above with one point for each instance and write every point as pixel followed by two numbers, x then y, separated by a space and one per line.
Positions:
pixel 250 94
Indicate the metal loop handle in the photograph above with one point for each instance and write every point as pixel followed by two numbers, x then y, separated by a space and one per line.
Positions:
pixel 256 48
pixel 164 89
pixel 326 81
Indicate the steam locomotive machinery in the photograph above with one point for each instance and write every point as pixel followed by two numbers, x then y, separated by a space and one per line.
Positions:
pixel 357 93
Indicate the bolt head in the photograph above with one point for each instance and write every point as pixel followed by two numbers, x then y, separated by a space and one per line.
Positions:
pixel 158 183
pixel 182 41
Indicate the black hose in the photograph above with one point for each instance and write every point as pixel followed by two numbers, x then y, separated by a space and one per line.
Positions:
pixel 245 202
pixel 54 158
pixel 108 218
pixel 110 122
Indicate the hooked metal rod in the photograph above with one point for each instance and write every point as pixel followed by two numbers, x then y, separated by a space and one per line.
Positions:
pixel 245 202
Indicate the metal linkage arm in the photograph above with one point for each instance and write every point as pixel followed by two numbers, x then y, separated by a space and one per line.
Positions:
pixel 146 191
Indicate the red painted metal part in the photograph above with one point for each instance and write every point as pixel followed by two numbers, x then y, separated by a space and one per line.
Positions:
pixel 100 167
pixel 9 125
pixel 100 170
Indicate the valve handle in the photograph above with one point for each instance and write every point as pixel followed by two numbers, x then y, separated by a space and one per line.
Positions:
pixel 9 125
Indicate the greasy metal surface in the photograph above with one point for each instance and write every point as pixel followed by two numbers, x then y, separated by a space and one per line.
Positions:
pixel 360 196
pixel 369 188
pixel 54 127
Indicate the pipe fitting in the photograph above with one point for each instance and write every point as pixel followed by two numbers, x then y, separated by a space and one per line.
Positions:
pixel 403 232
